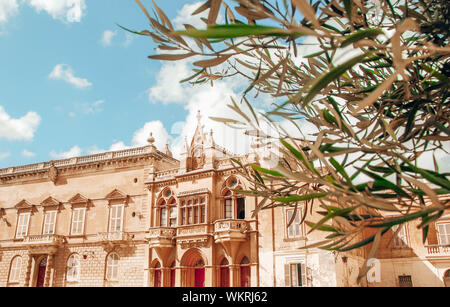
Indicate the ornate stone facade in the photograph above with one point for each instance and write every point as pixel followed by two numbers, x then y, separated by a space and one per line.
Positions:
pixel 139 217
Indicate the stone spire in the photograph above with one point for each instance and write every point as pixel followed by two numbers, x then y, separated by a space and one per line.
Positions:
pixel 211 142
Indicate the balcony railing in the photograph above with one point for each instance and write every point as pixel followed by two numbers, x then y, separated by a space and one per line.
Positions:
pixel 113 236
pixel 438 250
pixel 162 232
pixel 161 236
pixel 43 240
pixel 230 230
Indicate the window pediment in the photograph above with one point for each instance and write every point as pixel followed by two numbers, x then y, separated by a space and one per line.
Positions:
pixel 79 199
pixel 24 205
pixel 50 203
pixel 116 195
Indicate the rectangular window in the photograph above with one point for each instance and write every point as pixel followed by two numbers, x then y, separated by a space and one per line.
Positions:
pixel 78 221
pixel 295 228
pixel 116 215
pixel 190 220
pixel 49 223
pixel 400 240
pixel 241 208
pixel 405 281
pixel 443 230
pixel 196 215
pixel 228 209
pixel 203 214
pixel 22 225
pixel 163 217
pixel 298 275
pixel 173 217
pixel 183 216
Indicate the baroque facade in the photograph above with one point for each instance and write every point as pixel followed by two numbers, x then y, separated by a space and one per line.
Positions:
pixel 141 218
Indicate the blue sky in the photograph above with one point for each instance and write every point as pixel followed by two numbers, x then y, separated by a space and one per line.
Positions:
pixel 73 83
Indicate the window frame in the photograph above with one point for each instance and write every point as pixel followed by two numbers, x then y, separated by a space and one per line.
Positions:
pixel 167 204
pixel 298 226
pixel 80 222
pixel 112 264
pixel 69 269
pixel 22 225
pixel 15 270
pixel 401 240
pixel 446 225
pixel 46 231
pixel 113 219
pixel 193 210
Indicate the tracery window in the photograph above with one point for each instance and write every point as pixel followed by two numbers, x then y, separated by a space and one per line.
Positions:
pixel 167 209
pixel 233 203
pixel 193 210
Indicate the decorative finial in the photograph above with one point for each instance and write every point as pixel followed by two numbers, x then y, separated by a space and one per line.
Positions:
pixel 151 139
pixel 168 152
pixel 199 116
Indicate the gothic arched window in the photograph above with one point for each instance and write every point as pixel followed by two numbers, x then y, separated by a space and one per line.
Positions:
pixel 167 209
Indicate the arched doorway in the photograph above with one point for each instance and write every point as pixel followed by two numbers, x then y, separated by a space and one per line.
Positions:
pixel 199 273
pixel 224 273
pixel 193 271
pixel 172 274
pixel 447 278
pixel 41 272
pixel 157 275
pixel 245 272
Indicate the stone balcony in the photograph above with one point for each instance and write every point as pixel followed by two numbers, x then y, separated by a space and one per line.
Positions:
pixel 193 235
pixel 114 241
pixel 437 251
pixel 230 230
pixel 118 236
pixel 43 240
pixel 161 237
pixel 43 244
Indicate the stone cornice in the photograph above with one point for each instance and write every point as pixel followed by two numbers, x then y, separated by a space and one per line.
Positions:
pixel 41 171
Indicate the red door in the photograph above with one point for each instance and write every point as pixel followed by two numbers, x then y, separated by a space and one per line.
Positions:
pixel 224 277
pixel 41 273
pixel 157 278
pixel 245 276
pixel 172 277
pixel 200 277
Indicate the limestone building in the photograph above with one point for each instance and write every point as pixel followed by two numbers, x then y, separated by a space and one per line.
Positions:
pixel 139 217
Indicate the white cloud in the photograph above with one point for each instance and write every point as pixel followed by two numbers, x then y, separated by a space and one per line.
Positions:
pixel 8 8
pixel 28 154
pixel 4 155
pixel 65 73
pixel 75 151
pixel 107 37
pixel 64 10
pixel 88 107
pixel 128 40
pixel 158 131
pixel 18 128
pixel 184 16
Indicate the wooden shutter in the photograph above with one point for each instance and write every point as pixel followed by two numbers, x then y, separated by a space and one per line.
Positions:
pixel 287 275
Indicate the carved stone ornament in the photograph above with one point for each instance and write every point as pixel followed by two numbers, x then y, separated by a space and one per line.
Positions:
pixel 53 173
